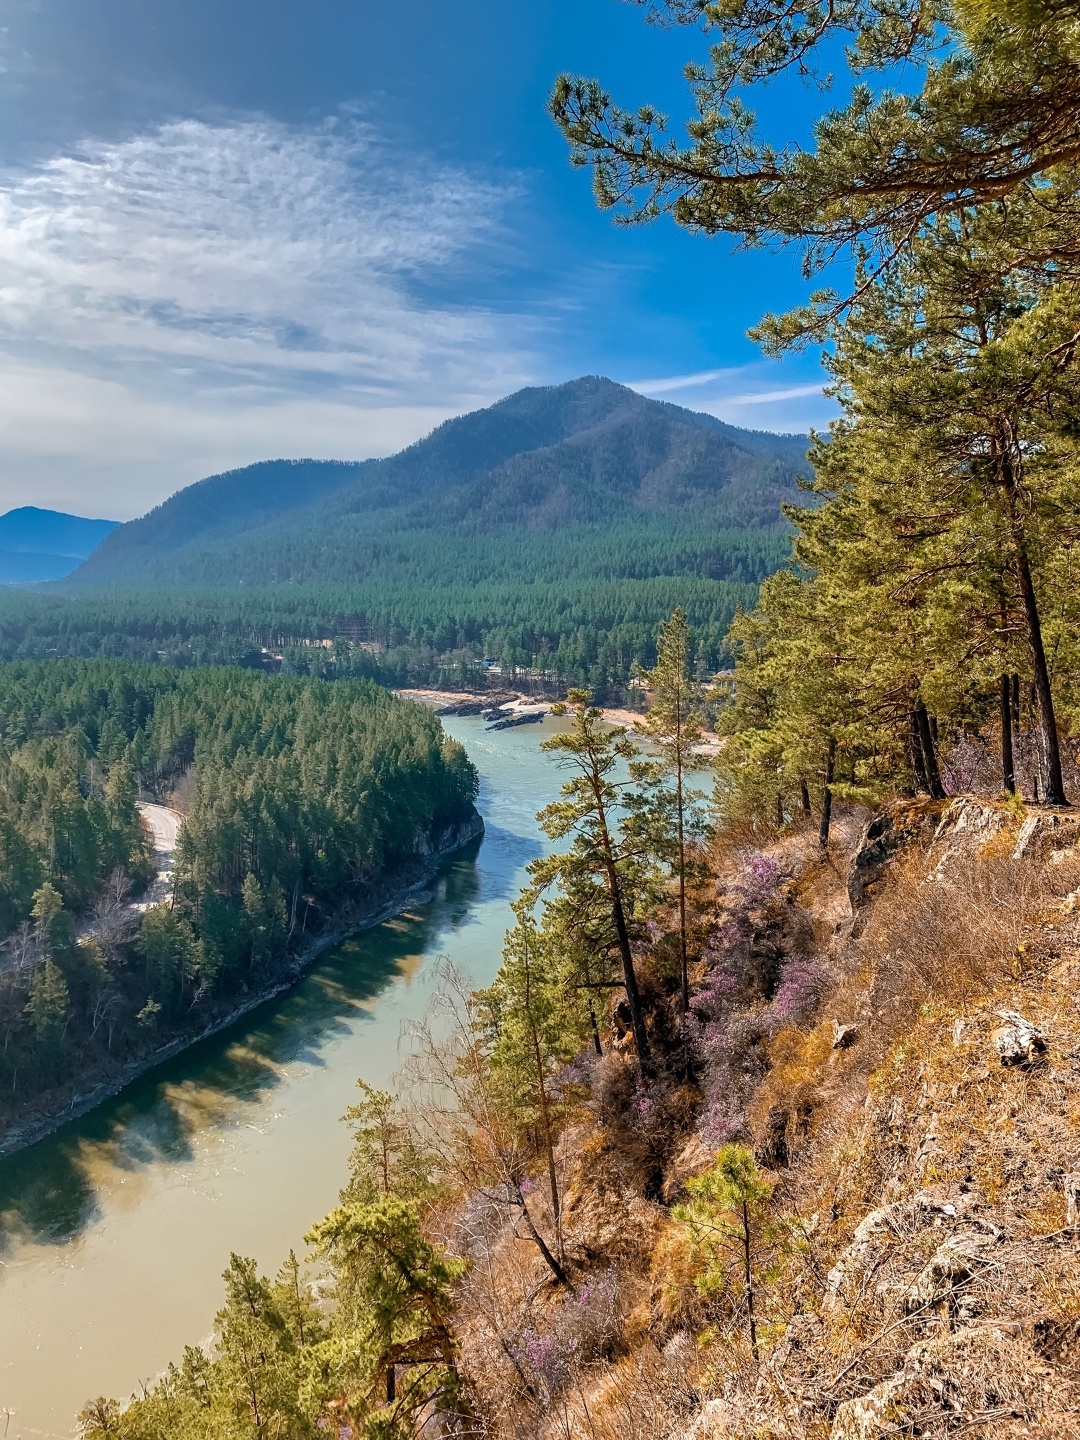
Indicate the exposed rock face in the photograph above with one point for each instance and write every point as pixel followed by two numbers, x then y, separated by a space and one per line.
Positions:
pixel 976 1377
pixel 891 1226
pixel 1018 1042
pixel 1072 1199
pixel 903 823
pixel 454 837
pixel 966 825
pixel 844 1035
pixel 1044 832
pixel 953 1263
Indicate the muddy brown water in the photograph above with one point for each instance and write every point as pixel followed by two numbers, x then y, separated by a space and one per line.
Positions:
pixel 114 1231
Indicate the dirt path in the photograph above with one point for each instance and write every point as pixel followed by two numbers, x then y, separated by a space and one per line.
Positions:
pixel 164 826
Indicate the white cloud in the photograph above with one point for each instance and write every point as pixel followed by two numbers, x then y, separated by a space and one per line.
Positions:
pixel 773 397
pixel 668 383
pixel 201 295
pixel 749 396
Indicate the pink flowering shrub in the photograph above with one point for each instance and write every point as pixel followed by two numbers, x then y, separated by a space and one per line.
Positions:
pixel 804 980
pixel 969 769
pixel 586 1328
pixel 760 877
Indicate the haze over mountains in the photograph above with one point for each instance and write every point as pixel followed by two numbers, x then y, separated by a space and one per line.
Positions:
pixel 587 461
pixel 37 545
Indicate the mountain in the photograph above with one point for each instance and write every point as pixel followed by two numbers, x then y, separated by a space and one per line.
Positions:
pixel 38 545
pixel 588 454
pixel 552 531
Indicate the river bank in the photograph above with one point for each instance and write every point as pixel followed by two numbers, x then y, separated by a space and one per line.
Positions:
pixel 381 902
pixel 510 700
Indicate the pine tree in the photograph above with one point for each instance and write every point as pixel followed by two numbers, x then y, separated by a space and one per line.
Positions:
pixel 526 1024
pixel 674 723
pixel 609 864
pixel 48 1004
pixel 983 130
pixel 732 1235
pixel 387 1157
pixel 397 1356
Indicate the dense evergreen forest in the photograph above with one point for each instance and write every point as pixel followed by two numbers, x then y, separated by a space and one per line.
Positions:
pixel 699 1163
pixel 561 622
pixel 298 797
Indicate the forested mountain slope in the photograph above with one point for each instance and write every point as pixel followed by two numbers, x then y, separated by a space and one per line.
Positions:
pixel 221 505
pixel 587 452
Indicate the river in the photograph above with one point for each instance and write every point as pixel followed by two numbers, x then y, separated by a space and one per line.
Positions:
pixel 114 1231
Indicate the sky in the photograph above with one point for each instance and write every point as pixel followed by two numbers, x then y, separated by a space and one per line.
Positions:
pixel 238 229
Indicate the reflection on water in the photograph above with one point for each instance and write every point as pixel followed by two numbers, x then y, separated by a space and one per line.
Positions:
pixel 115 1230
pixel 49 1193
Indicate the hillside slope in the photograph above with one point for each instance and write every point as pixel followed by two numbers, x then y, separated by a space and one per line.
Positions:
pixel 910 1092
pixel 588 452
pixel 221 505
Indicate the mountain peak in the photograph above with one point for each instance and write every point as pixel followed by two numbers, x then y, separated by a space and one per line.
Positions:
pixel 585 451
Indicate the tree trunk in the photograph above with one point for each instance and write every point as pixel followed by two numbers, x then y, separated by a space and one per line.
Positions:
pixel 933 778
pixel 826 802
pixel 779 811
pixel 633 995
pixel 1016 705
pixel 685 976
pixel 538 1240
pixel 804 793
pixel 749 1279
pixel 545 1113
pixel 1055 785
pixel 918 757
pixel 1008 772
pixel 597 1046
pixel 622 935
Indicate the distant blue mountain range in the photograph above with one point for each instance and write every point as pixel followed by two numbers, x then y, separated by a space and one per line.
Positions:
pixel 40 545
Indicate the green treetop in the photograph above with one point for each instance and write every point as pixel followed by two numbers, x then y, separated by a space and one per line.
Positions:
pixel 995 117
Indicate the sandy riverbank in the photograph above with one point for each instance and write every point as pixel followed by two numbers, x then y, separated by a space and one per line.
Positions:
pixel 526 704
pixel 505 699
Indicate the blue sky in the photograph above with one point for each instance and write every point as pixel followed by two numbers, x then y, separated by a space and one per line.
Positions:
pixel 234 229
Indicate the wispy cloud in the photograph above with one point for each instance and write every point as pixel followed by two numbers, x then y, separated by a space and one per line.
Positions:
pixel 668 383
pixel 749 395
pixel 772 397
pixel 222 272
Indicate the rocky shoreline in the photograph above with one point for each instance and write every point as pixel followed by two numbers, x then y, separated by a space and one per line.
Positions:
pixel 389 898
